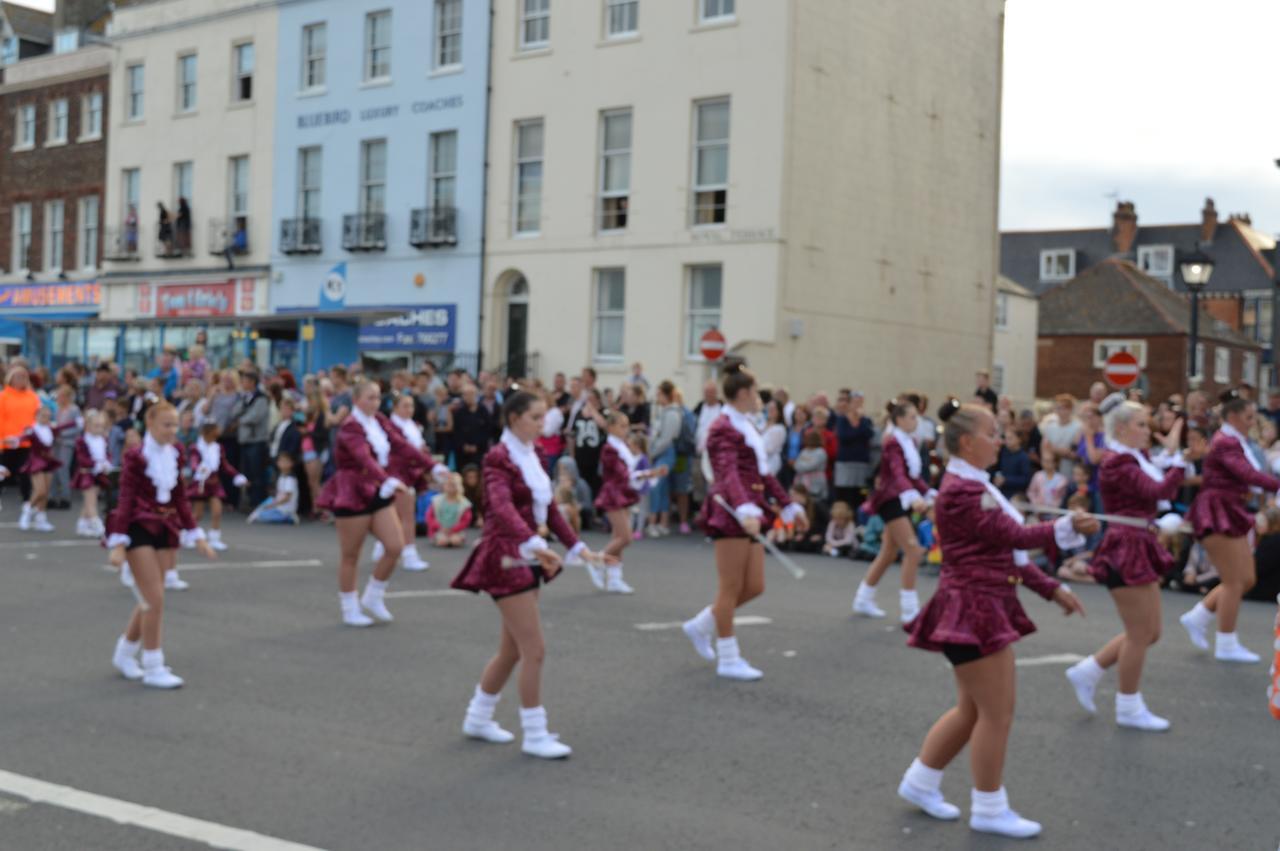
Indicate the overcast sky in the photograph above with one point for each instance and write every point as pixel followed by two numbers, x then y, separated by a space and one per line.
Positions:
pixel 1164 102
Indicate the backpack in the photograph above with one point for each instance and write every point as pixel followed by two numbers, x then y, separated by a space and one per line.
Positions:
pixel 687 441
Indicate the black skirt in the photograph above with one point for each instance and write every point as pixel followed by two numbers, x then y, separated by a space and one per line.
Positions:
pixel 374 507
pixel 139 536
pixel 891 510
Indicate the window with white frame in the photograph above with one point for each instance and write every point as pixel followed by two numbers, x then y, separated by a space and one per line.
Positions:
pixel 238 197
pixel 610 318
pixel 1249 369
pixel 1002 311
pixel 21 244
pixel 442 180
pixel 310 175
pixel 1198 371
pixel 87 241
pixel 25 127
pixel 91 117
pixel 621 18
pixel 183 174
pixel 377 45
pixel 59 111
pixel 448 52
pixel 615 169
pixel 313 56
pixel 242 67
pixel 1221 364
pixel 528 176
pixel 187 83
pixel 373 176
pixel 1103 349
pixel 66 41
pixel 1057 264
pixel 55 227
pixel 711 162
pixel 997 378
pixel 1156 260
pixel 131 192
pixel 535 23
pixel 715 10
pixel 134 91
pixel 703 312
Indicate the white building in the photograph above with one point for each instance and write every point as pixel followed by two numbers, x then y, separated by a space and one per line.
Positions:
pixel 818 180
pixel 193 83
pixel 1013 355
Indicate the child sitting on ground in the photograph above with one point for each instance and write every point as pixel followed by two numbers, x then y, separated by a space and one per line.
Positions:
pixel 1075 562
pixel 842 534
pixel 283 507
pixel 449 514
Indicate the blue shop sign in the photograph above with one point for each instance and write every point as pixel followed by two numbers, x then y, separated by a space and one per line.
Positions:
pixel 429 328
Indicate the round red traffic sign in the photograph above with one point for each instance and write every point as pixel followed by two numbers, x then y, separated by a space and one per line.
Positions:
pixel 1121 370
pixel 712 345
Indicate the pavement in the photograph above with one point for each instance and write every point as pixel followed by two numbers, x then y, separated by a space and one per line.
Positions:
pixel 294 729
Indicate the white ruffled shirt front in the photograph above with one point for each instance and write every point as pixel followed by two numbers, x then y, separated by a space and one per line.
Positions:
pixel 745 427
pixel 97 445
pixel 410 430
pixel 378 440
pixel 162 470
pixel 539 483
pixel 628 457
pixel 915 466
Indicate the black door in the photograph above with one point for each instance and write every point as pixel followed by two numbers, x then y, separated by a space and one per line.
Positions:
pixel 517 339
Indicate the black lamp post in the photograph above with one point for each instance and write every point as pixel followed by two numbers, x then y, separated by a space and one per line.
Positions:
pixel 1197 267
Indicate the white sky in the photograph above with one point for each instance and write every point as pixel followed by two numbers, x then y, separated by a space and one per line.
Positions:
pixel 1162 101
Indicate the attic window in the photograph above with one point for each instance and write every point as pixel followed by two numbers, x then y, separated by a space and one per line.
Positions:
pixel 66 41
pixel 1156 260
pixel 1103 349
pixel 1057 264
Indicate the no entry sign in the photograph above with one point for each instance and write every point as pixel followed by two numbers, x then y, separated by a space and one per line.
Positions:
pixel 1121 370
pixel 712 345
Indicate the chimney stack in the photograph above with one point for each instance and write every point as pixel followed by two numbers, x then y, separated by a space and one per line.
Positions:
pixel 1208 222
pixel 1124 227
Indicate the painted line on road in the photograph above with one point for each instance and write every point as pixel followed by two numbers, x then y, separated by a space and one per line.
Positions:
pixel 741 620
pixel 62 542
pixel 433 592
pixel 148 818
pixel 1053 659
pixel 239 565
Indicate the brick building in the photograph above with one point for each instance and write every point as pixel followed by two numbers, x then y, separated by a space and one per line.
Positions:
pixel 1113 306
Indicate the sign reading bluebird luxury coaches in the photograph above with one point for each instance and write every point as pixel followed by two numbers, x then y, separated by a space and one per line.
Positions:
pixel 429 328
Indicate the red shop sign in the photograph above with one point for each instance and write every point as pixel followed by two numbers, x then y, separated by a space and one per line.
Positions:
pixel 196 300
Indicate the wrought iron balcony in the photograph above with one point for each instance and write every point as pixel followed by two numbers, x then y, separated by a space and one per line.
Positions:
pixel 301 236
pixel 229 236
pixel 433 227
pixel 121 243
pixel 364 232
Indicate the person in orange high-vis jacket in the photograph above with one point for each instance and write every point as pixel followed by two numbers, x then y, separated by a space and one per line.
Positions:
pixel 1273 691
pixel 18 406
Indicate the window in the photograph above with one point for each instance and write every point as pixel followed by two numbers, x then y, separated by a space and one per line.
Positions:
pixel 239 195
pixel 91 117
pixel 134 91
pixel 528 176
pixel 187 83
pixel 611 302
pixel 1256 317
pixel 535 24
pixel 87 249
pixel 997 378
pixel 1198 372
pixel 448 34
pixel 131 187
pixel 58 112
pixel 55 226
pixel 1249 369
pixel 1221 365
pixel 444 169
pixel 242 85
pixel 65 41
pixel 711 162
pixel 1156 260
pixel 377 45
pixel 310 169
pixel 9 50
pixel 1103 349
pixel 705 285
pixel 615 169
pixel 25 129
pixel 621 17
pixel 1058 264
pixel 373 176
pixel 715 10
pixel 21 237
pixel 182 175
pixel 1002 311
pixel 313 49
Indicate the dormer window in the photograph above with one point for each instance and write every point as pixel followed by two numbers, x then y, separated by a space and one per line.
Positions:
pixel 66 41
pixel 1057 264
pixel 1156 260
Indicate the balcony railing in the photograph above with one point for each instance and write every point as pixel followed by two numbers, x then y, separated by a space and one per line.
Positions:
pixel 229 236
pixel 433 227
pixel 121 243
pixel 364 232
pixel 300 236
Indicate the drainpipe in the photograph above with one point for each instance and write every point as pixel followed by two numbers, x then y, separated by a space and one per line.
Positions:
pixel 484 197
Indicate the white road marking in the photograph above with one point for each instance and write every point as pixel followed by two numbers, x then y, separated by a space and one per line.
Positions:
pixel 148 818
pixel 67 542
pixel 1053 659
pixel 230 565
pixel 740 620
pixel 433 592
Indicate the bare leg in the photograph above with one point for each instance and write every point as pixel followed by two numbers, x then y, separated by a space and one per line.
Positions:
pixel 499 669
pixel 895 533
pixel 1139 608
pixel 168 560
pixel 1235 567
pixel 950 733
pixel 385 526
pixel 404 503
pixel 351 534
pixel 521 619
pixel 991 683
pixel 753 582
pixel 89 508
pixel 732 557
pixel 215 513
pixel 619 531
pixel 147 571
pixel 197 510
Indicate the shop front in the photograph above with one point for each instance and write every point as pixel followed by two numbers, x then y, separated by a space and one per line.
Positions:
pixel 49 323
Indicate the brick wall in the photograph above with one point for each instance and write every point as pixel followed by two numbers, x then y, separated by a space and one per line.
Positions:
pixel 1229 310
pixel 1065 365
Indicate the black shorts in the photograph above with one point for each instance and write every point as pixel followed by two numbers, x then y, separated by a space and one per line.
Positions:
pixel 538 580
pixel 374 507
pixel 140 537
pixel 1113 580
pixel 960 654
pixel 891 510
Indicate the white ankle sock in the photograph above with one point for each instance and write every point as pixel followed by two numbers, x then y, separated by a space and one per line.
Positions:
pixel 129 647
pixel 533 721
pixel 1227 640
pixel 484 700
pixel 727 649
pixel 923 777
pixel 376 588
pixel 865 591
pixel 153 658
pixel 1201 615
pixel 990 803
pixel 705 621
pixel 1091 668
pixel 350 601
pixel 1129 704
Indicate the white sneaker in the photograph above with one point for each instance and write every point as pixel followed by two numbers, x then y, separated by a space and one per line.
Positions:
pixel 378 551
pixel 701 640
pixel 126 576
pixel 908 614
pixel 126 663
pixel 546 746
pixel 1008 823
pixel 215 541
pixel 376 606
pixel 411 560
pixel 173 582
pixel 41 523
pixel 487 731
pixel 1236 653
pixel 738 669
pixel 97 527
pixel 1196 631
pixel 931 802
pixel 160 677
pixel 596 573
pixel 1084 686
pixel 615 584
pixel 1144 720
pixel 24 522
pixel 356 618
pixel 82 528
pixel 867 608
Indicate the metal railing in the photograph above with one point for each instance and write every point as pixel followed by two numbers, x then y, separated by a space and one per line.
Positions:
pixel 301 236
pixel 431 227
pixel 122 243
pixel 364 232
pixel 229 236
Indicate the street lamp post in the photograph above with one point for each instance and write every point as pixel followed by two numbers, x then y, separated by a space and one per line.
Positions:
pixel 1197 267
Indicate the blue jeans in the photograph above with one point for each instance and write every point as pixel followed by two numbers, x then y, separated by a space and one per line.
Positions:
pixel 660 496
pixel 274 515
pixel 253 464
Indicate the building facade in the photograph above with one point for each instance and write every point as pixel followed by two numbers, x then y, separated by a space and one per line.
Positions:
pixel 1013 356
pixel 188 203
pixel 379 180
pixel 658 170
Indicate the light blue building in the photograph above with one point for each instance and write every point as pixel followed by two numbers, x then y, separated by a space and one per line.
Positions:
pixel 378 185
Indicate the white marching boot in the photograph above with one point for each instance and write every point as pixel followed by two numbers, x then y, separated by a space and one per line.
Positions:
pixel 479 723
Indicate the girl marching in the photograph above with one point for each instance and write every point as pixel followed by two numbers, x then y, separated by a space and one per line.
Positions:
pixel 39 466
pixel 150 520
pixel 1130 562
pixel 740 469
pixel 92 466
pixel 1221 521
pixel 974 617
pixel 208 466
pixel 510 563
pixel 411 466
pixel 619 476
pixel 900 490
pixel 360 495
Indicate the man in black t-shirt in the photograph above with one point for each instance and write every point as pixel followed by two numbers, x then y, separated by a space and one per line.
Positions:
pixel 586 430
pixel 984 391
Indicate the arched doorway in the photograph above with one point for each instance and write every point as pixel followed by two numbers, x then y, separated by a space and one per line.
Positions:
pixel 517 327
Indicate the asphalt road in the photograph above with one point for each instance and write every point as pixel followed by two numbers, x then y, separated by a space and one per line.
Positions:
pixel 297 728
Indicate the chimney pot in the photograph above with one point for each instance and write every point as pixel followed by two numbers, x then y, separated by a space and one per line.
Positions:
pixel 1124 227
pixel 1208 221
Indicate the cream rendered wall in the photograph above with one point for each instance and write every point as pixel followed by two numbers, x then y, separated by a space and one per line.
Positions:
pixel 1014 348
pixel 658 74
pixel 891 193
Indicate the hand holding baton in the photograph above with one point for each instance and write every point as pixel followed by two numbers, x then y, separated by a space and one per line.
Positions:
pixel 791 567
pixel 1117 519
